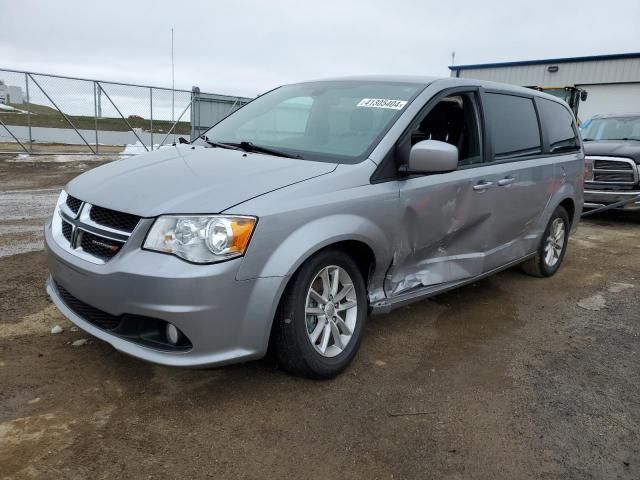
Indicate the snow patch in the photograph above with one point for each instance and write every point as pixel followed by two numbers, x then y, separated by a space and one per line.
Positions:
pixel 57 158
pixel 620 287
pixel 138 148
pixel 594 303
pixel 9 108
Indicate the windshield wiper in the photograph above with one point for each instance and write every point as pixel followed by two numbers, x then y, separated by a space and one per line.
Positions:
pixel 625 139
pixel 252 147
pixel 219 144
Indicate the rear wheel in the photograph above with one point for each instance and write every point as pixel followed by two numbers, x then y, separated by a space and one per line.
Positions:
pixel 321 316
pixel 552 248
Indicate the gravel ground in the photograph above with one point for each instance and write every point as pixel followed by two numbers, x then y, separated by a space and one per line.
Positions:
pixel 509 378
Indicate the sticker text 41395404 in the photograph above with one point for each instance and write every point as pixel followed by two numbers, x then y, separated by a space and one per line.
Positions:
pixel 382 103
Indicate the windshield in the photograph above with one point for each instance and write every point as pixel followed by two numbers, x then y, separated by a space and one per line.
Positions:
pixel 336 121
pixel 613 128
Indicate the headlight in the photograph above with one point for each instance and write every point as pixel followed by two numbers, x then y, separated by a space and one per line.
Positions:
pixel 201 239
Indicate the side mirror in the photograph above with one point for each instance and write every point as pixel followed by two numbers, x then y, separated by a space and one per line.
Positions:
pixel 583 95
pixel 432 156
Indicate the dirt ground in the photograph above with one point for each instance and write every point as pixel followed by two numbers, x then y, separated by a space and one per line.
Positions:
pixel 509 378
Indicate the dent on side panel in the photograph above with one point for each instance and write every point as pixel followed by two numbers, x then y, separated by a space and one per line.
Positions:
pixel 445 236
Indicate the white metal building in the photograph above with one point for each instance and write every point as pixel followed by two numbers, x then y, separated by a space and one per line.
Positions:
pixel 15 94
pixel 612 81
pixel 4 92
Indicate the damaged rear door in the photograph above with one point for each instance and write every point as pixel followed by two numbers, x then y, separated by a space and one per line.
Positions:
pixel 527 179
pixel 447 219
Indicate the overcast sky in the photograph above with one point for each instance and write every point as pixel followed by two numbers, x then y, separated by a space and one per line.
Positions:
pixel 245 47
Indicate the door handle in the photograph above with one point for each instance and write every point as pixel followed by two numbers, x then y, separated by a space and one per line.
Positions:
pixel 506 181
pixel 482 185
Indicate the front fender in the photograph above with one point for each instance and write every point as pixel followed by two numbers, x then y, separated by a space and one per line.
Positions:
pixel 292 250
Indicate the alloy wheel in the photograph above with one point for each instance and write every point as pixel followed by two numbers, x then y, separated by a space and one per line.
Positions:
pixel 554 243
pixel 331 311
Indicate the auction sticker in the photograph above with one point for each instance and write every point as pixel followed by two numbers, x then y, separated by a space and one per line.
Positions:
pixel 382 103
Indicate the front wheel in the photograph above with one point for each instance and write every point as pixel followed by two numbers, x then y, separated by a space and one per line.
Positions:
pixel 320 319
pixel 553 246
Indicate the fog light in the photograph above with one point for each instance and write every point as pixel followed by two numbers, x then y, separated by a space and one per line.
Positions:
pixel 173 334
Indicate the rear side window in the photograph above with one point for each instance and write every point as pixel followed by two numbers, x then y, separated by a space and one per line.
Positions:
pixel 559 127
pixel 514 125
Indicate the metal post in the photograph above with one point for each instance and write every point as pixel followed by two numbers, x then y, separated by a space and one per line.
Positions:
pixel 199 114
pixel 95 111
pixel 26 83
pixel 99 103
pixel 151 113
pixel 195 113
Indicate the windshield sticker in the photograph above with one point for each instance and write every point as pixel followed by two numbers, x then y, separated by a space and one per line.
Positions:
pixel 382 103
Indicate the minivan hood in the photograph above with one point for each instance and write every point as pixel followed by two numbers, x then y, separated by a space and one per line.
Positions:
pixel 189 179
pixel 614 148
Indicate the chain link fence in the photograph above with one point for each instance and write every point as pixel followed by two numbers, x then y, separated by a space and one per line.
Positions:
pixel 47 114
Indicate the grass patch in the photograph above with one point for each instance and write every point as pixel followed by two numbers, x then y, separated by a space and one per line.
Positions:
pixel 43 116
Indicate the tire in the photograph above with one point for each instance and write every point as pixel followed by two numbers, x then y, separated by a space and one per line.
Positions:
pixel 539 266
pixel 294 325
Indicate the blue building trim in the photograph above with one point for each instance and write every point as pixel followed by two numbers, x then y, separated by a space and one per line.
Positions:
pixel 618 56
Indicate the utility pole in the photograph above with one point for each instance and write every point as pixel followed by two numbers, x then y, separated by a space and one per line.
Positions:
pixel 453 58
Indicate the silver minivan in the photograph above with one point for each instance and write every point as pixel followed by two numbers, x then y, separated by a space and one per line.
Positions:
pixel 290 221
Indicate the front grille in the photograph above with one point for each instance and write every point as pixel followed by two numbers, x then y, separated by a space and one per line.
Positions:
pixel 613 177
pixel 612 187
pixel 612 165
pixel 73 204
pixel 112 219
pixel 92 315
pixel 94 233
pixel 101 247
pixel 67 230
pixel 614 171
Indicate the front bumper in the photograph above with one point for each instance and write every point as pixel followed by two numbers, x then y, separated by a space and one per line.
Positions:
pixel 226 320
pixel 600 198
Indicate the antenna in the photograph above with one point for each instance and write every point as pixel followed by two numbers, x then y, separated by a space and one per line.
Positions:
pixel 453 58
pixel 173 88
